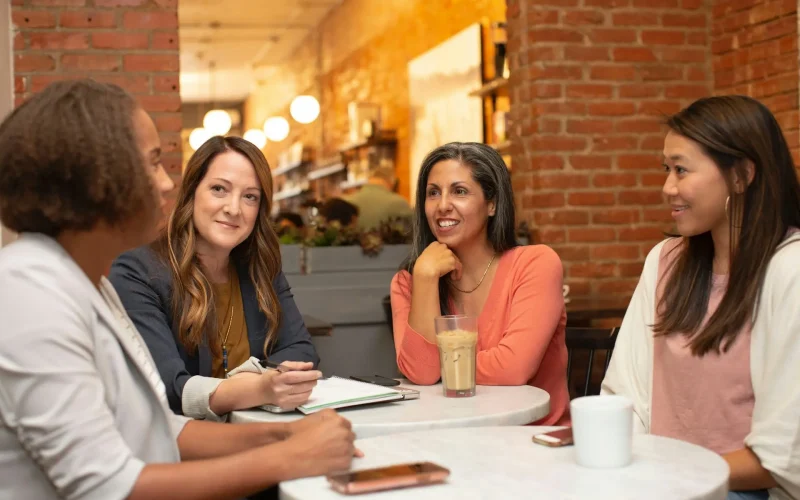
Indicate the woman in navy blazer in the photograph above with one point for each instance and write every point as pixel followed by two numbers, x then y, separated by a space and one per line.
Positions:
pixel 209 296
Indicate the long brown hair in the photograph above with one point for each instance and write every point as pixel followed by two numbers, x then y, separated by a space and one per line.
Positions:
pixel 193 312
pixel 733 131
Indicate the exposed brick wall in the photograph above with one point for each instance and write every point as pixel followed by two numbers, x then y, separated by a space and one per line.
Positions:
pixel 590 82
pixel 132 43
pixel 754 46
pixel 366 47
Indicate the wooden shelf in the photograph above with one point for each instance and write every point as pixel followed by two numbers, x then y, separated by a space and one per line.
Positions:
pixel 288 168
pixel 288 193
pixel 326 171
pixel 490 87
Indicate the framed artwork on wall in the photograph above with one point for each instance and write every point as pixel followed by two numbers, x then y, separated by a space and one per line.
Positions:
pixel 442 111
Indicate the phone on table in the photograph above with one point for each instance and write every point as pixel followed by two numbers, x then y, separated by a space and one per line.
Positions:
pixel 376 379
pixel 388 478
pixel 561 437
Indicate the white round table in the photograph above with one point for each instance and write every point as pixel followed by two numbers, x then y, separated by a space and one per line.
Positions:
pixel 502 462
pixel 491 406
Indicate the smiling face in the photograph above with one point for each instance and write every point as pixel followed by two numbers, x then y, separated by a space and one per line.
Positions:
pixel 695 188
pixel 226 204
pixel 455 206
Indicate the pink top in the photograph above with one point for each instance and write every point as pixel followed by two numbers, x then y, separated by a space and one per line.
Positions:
pixel 520 330
pixel 707 401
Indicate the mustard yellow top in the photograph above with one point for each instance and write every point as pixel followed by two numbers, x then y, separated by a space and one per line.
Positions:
pixel 229 300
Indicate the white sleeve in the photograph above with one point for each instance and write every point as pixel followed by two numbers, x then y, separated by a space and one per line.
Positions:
pixel 630 371
pixel 195 398
pixel 52 395
pixel 775 433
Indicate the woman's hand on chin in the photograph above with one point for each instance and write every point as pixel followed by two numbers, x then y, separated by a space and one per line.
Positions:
pixel 436 261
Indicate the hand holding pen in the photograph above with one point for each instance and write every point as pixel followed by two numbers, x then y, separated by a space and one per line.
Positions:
pixel 289 384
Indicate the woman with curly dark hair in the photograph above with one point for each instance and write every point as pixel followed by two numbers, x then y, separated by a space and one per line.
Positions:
pixel 83 412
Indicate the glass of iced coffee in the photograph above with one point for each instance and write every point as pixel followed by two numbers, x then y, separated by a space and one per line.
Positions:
pixel 457 338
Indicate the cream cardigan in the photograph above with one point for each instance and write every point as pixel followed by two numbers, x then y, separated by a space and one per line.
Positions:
pixel 774 363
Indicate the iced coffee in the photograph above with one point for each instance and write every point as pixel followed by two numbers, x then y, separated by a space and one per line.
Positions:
pixel 457 338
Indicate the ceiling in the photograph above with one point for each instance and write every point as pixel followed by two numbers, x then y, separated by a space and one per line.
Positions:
pixel 233 36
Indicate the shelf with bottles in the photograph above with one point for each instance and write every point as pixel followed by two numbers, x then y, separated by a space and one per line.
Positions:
pixel 379 150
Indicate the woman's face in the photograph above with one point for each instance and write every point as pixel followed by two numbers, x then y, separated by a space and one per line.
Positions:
pixel 226 204
pixel 149 144
pixel 695 188
pixel 455 206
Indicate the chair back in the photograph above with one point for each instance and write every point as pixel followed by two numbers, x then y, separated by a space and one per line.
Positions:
pixel 387 310
pixel 588 341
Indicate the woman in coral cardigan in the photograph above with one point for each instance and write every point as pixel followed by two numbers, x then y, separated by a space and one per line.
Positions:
pixel 465 260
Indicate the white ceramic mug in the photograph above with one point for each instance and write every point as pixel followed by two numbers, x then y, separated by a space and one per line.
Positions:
pixel 602 428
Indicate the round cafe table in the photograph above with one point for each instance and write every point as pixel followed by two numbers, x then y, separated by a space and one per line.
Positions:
pixel 503 462
pixel 491 406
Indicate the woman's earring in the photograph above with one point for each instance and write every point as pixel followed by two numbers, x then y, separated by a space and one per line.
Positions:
pixel 727 202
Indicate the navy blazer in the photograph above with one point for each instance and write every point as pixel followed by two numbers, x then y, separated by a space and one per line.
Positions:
pixel 144 284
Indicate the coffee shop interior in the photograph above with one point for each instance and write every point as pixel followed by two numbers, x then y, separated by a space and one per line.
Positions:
pixel 346 99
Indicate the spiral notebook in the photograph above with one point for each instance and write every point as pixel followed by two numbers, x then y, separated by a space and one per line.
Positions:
pixel 337 392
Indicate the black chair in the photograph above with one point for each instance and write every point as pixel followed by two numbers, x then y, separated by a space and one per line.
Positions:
pixel 387 310
pixel 590 340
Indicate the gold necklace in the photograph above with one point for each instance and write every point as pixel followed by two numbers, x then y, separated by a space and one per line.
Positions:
pixel 479 283
pixel 225 344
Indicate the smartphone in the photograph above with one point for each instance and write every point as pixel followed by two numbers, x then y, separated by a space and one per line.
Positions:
pixel 561 437
pixel 407 392
pixel 376 379
pixel 388 478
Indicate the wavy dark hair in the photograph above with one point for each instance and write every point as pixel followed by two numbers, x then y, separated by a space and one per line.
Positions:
pixel 193 309
pixel 733 131
pixel 490 172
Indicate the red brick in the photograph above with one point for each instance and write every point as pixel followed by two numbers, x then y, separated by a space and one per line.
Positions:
pixel 581 17
pixel 561 218
pixel 614 180
pixel 652 197
pixel 592 91
pixel 150 20
pixel 684 20
pixel 135 84
pixel 547 162
pixel 151 62
pixel 612 109
pixel 590 126
pixel 685 91
pixel 540 17
pixel 592 198
pixel 635 18
pixel 615 73
pixel 166 83
pixel 609 4
pixel 651 143
pixel 160 103
pixel 547 126
pixel 87 19
pixel 639 125
pixel 57 41
pixel 600 36
pixel 696 39
pixel 120 41
pixel 551 236
pixel 631 269
pixel 593 270
pixel 26 63
pixel 661 72
pixel 174 166
pixel 663 37
pixel 616 287
pixel 660 108
pixel 586 54
pixel 19 84
pixel 646 233
pixel 119 3
pixel 639 90
pixel 541 200
pixel 614 143
pixel 572 253
pixel 165 40
pixel 655 4
pixel 19 42
pixel 33 18
pixel 170 142
pixel 590 162
pixel 561 181
pixel 90 62
pixel 592 234
pixel 616 216
pixel 636 162
pixel 655 180
pixel 57 3
pixel 168 122
pixel 551 72
pixel 40 82
pixel 634 54
pixel 657 215
pixel 546 90
pixel 559 108
pixel 556 143
pixel 615 252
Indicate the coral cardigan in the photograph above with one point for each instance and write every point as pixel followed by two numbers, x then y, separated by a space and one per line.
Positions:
pixel 520 329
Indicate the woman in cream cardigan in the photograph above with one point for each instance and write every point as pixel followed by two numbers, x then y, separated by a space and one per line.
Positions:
pixel 83 412
pixel 710 345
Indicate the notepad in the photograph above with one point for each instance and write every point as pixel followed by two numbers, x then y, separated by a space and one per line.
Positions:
pixel 337 392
